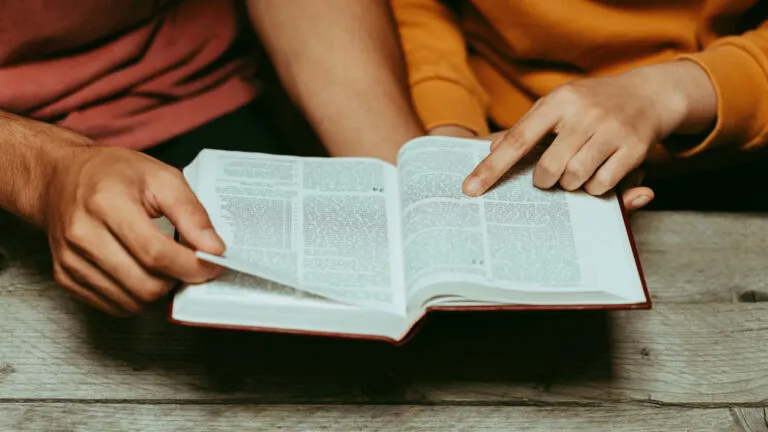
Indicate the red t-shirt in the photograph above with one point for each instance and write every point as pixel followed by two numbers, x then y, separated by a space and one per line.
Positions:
pixel 131 73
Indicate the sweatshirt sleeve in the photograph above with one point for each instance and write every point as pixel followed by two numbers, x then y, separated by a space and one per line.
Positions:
pixel 443 87
pixel 738 68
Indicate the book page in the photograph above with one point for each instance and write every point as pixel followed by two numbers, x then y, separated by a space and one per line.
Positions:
pixel 326 226
pixel 239 300
pixel 515 235
pixel 240 285
pixel 530 233
pixel 442 228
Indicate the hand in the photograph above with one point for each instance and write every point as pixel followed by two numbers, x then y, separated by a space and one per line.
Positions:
pixel 604 127
pixel 633 195
pixel 106 249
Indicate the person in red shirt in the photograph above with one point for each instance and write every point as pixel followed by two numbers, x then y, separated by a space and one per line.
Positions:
pixel 96 94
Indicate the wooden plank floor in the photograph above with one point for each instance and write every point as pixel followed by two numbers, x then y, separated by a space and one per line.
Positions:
pixel 697 361
pixel 187 418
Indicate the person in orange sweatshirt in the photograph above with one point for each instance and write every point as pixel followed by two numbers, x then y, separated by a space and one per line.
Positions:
pixel 616 82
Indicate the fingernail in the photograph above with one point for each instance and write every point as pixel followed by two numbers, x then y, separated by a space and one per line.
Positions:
pixel 210 237
pixel 474 186
pixel 641 201
pixel 215 271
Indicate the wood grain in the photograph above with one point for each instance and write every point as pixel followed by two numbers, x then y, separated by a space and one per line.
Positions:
pixel 189 418
pixel 751 419
pixel 697 348
pixel 709 353
pixel 703 257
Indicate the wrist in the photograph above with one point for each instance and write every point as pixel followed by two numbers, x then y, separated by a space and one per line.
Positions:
pixel 23 185
pixel 689 97
pixel 701 99
pixel 31 150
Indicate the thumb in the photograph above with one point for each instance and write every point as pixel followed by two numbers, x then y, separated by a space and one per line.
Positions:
pixel 180 205
pixel 633 194
pixel 636 198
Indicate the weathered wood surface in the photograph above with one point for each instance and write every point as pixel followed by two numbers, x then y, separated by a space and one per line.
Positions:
pixel 700 357
pixel 210 418
pixel 700 257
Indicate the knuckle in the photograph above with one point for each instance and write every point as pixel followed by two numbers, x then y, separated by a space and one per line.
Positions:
pixel 569 186
pixel 60 276
pixel 100 201
pixel 637 148
pixel 66 261
pixel 154 256
pixel 516 139
pixel 76 231
pixel 566 93
pixel 635 158
pixel 159 287
pixel 601 183
pixel 606 180
pixel 549 167
pixel 614 125
pixel 592 189
pixel 152 290
pixel 596 118
pixel 577 170
pixel 627 134
pixel 169 176
pixel 146 295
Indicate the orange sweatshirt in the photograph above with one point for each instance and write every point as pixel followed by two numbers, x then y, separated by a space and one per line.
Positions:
pixel 473 60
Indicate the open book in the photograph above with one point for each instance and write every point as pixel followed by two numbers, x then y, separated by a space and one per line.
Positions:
pixel 357 247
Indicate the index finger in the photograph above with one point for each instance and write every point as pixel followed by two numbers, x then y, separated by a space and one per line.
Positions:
pixel 180 205
pixel 510 148
pixel 154 249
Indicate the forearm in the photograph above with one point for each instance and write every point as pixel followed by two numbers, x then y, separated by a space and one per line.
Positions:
pixel 341 63
pixel 27 151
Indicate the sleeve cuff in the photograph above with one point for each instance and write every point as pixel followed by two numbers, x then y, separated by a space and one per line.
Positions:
pixel 741 85
pixel 440 102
